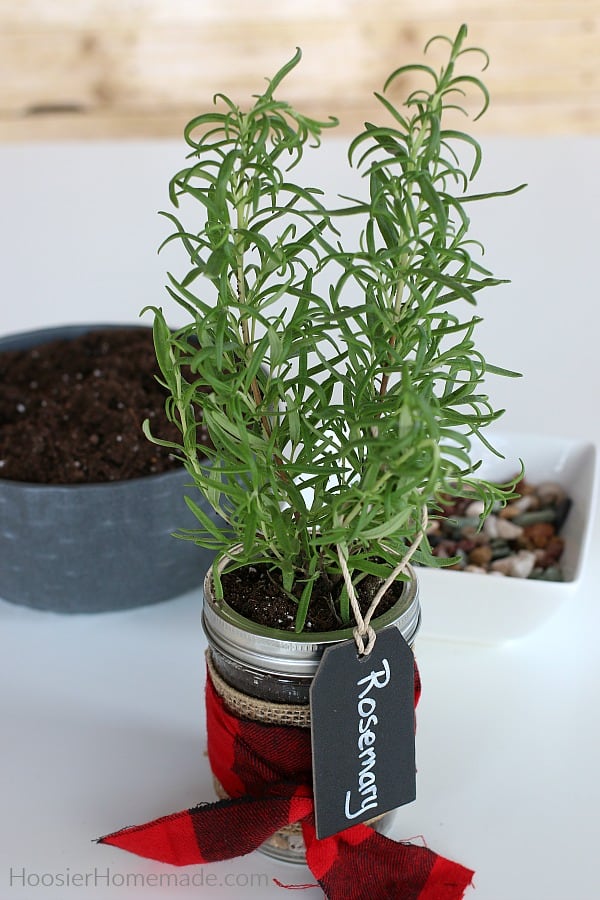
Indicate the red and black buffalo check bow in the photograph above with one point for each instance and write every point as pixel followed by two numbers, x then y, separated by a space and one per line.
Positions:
pixel 266 770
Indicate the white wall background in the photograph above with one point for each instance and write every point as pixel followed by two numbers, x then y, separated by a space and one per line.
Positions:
pixel 79 234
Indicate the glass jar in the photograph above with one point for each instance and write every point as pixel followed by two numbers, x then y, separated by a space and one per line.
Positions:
pixel 277 668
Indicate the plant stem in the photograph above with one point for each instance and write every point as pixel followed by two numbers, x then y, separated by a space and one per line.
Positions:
pixel 190 445
pixel 241 205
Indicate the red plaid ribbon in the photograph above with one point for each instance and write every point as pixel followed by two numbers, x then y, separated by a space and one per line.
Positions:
pixel 266 770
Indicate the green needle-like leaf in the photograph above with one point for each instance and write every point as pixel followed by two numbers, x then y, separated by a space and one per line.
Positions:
pixel 337 375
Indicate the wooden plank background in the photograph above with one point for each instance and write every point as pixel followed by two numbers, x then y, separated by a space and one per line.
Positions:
pixel 141 68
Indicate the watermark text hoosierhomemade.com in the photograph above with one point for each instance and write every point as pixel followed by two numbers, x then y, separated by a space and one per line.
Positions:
pixel 107 878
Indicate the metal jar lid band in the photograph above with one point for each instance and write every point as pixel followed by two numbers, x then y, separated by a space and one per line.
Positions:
pixel 285 653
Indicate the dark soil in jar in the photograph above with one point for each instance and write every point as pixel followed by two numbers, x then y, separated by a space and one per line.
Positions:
pixel 256 593
pixel 71 410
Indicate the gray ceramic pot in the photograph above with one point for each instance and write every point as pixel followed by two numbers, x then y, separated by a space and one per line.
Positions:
pixel 95 547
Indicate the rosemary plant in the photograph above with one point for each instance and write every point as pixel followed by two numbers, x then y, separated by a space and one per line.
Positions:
pixel 340 415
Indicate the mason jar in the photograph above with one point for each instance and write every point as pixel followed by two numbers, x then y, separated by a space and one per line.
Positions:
pixel 257 668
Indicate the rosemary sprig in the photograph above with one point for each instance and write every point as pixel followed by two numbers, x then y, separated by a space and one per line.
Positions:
pixel 335 423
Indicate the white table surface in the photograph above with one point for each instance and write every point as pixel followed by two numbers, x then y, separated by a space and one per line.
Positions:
pixel 101 716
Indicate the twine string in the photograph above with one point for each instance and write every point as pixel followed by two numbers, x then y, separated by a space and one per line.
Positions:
pixel 363 628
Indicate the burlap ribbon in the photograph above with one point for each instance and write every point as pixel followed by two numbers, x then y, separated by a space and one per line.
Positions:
pixel 266 771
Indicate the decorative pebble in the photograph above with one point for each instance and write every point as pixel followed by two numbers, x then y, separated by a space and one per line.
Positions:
pixel 480 556
pixel 500 549
pixel 539 534
pixel 550 493
pixel 520 540
pixel 544 514
pixel 523 504
pixel 517 565
pixel 508 530
pixel 552 573
pixel 562 511
pixel 490 526
pixel 475 508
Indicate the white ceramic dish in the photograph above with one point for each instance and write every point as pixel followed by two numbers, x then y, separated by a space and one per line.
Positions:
pixel 488 609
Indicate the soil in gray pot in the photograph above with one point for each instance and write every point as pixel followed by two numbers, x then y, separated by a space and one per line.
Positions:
pixel 71 411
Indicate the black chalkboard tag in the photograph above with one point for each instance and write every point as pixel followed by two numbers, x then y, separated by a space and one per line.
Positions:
pixel 363 732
